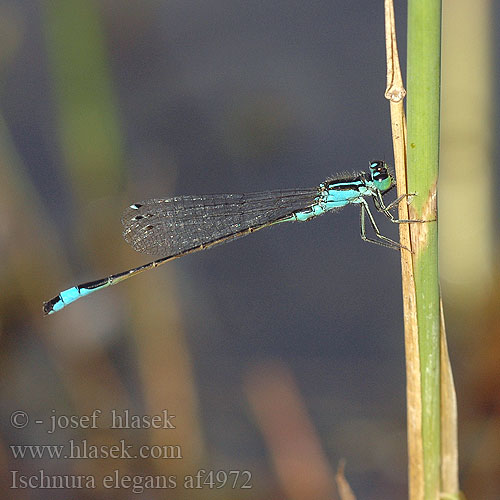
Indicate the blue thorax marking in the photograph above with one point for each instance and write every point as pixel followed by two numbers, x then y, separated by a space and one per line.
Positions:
pixel 337 193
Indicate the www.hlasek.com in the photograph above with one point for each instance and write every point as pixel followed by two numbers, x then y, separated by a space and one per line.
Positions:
pixel 203 479
pixel 82 449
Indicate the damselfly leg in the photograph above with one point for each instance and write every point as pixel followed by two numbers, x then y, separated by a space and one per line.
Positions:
pixel 385 209
pixel 383 241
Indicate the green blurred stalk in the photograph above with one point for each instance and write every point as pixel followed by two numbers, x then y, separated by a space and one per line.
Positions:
pixel 423 106
pixel 89 126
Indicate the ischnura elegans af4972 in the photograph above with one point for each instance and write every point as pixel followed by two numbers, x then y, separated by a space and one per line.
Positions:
pixel 174 227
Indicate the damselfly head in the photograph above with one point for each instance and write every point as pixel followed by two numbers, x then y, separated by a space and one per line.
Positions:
pixel 380 176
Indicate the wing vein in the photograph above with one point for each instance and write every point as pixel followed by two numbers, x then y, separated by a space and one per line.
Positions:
pixel 175 225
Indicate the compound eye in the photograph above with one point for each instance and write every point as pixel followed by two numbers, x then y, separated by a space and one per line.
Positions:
pixel 376 164
pixel 378 171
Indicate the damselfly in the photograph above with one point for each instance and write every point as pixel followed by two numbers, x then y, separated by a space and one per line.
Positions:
pixel 177 226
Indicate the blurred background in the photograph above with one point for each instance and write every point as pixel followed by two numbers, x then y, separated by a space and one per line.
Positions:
pixel 279 354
